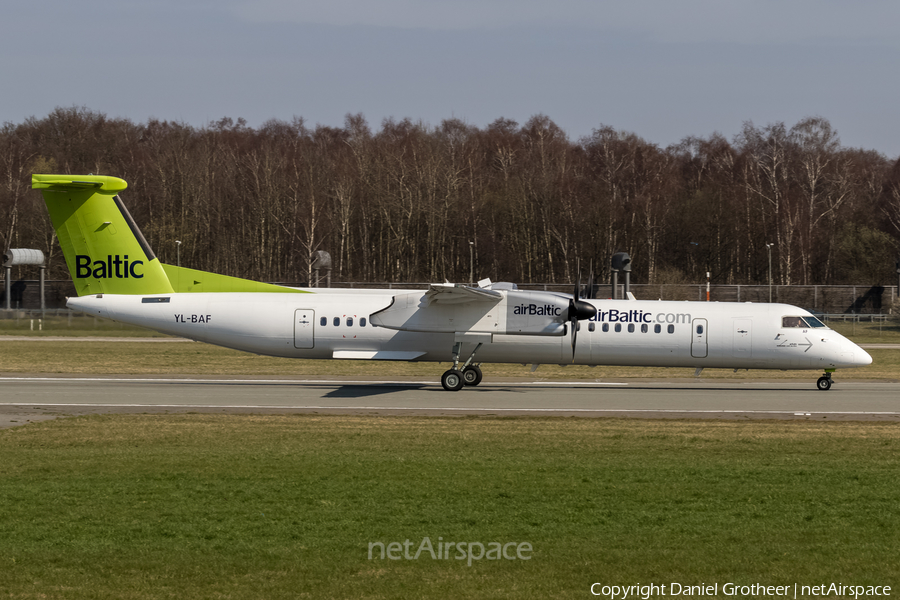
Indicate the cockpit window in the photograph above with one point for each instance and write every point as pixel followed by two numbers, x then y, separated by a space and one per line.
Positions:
pixel 806 322
pixel 792 322
pixel 814 322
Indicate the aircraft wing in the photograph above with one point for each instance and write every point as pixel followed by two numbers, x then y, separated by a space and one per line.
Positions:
pixel 449 293
pixel 449 308
pixel 444 307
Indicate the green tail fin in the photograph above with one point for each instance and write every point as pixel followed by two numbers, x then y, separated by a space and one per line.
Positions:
pixel 104 249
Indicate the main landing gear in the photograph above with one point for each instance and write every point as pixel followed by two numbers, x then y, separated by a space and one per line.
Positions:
pixel 454 379
pixel 824 382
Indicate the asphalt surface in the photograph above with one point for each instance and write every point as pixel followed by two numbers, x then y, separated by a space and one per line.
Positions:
pixel 27 398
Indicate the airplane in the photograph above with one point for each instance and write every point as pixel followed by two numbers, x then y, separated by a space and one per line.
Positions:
pixel 117 276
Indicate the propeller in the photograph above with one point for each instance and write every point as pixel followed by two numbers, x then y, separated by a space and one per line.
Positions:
pixel 578 311
pixel 589 288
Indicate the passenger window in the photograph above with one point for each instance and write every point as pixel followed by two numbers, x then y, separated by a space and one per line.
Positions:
pixel 337 321
pixel 323 321
pixel 631 328
pixel 657 329
pixel 671 329
pixel 699 329
pixel 591 326
pixel 349 321
pixel 605 328
pixel 578 326
pixel 618 327
pixel 645 328
pixel 362 321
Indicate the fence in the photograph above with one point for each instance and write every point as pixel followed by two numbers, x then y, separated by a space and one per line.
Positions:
pixel 831 299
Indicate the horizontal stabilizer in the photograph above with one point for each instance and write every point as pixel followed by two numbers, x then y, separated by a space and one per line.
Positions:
pixel 98 183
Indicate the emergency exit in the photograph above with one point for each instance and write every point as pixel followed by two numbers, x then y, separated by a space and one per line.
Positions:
pixel 699 347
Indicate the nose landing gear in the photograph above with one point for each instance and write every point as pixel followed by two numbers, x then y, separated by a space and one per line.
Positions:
pixel 824 382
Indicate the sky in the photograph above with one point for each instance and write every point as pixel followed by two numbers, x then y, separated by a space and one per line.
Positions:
pixel 663 69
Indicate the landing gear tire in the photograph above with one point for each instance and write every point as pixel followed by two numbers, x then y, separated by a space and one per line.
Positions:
pixel 472 375
pixel 452 380
pixel 824 383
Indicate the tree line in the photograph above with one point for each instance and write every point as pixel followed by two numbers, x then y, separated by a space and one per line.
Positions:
pixel 403 202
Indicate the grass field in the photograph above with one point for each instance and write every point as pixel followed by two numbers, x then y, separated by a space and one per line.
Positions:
pixel 72 326
pixel 240 506
pixel 201 506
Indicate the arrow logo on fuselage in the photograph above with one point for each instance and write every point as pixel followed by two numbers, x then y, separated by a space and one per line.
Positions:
pixel 785 343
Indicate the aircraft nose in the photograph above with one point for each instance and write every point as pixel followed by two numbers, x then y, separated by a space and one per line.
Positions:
pixel 854 356
pixel 862 358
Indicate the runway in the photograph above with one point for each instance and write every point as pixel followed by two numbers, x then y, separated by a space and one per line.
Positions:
pixel 28 398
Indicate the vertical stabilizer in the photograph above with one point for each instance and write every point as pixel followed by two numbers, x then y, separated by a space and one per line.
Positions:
pixel 104 249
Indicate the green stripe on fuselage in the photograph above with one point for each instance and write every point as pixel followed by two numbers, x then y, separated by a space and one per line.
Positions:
pixel 184 280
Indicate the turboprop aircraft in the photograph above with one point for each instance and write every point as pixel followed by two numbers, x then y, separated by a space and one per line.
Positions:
pixel 117 276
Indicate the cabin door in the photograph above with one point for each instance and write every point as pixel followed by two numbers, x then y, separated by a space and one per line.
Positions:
pixel 699 347
pixel 304 324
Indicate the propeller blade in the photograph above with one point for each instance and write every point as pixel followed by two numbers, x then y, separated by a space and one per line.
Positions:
pixel 590 291
pixel 578 282
pixel 574 324
pixel 579 310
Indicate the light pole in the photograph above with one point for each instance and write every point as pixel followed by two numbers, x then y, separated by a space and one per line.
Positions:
pixel 696 246
pixel 178 252
pixel 471 263
pixel 769 252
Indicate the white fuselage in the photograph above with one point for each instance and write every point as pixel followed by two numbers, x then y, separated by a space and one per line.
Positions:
pixel 337 324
